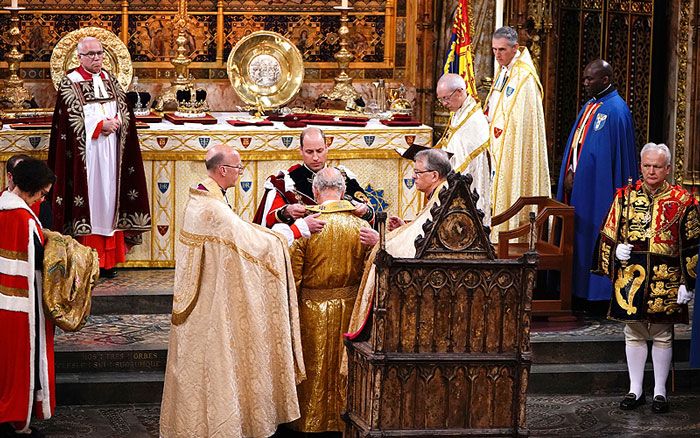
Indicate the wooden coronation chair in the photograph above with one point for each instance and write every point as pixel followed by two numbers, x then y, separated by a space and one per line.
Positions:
pixel 554 244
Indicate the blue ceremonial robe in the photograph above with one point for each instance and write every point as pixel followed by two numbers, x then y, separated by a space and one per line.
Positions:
pixel 695 339
pixel 607 157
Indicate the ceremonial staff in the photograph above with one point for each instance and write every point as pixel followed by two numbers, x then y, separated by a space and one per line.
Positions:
pixel 627 218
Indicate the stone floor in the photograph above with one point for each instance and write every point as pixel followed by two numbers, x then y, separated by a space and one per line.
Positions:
pixel 570 416
pixel 556 415
pixel 151 330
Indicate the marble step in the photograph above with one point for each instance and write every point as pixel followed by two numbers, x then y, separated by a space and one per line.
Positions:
pixel 105 388
pixel 114 343
pixel 134 291
pixel 122 358
pixel 604 349
pixel 98 388
pixel 138 342
pixel 603 379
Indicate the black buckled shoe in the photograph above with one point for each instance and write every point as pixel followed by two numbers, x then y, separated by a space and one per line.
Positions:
pixel 659 404
pixel 630 401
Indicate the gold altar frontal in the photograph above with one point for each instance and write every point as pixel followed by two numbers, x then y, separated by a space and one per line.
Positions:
pixel 174 160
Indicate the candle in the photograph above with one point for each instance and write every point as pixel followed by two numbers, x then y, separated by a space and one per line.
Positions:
pixel 343 3
pixel 14 3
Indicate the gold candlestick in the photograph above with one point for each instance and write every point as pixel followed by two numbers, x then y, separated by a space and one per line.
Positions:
pixel 181 63
pixel 343 89
pixel 14 94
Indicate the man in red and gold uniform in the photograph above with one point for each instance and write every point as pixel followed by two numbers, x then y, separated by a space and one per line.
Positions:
pixel 648 245
pixel 289 192
pixel 100 195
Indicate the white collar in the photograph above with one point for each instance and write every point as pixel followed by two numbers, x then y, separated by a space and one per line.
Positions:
pixel 10 201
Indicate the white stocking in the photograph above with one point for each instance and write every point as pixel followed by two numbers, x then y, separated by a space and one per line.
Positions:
pixel 636 358
pixel 661 357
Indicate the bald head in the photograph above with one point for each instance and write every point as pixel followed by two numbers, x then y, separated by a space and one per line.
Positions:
pixel 451 81
pixel 597 77
pixel 216 155
pixel 602 65
pixel 451 91
pixel 223 165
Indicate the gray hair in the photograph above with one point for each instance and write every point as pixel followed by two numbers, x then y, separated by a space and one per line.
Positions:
pixel 214 161
pixel 329 178
pixel 437 160
pixel 653 147
pixel 83 41
pixel 452 81
pixel 508 33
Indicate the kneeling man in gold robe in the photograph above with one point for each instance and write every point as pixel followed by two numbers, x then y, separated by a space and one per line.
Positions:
pixel 234 355
pixel 327 269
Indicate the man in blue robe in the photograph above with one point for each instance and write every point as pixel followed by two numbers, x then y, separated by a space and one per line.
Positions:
pixel 600 155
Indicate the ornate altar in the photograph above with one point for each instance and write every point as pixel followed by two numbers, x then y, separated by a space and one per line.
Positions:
pixel 174 159
pixel 448 350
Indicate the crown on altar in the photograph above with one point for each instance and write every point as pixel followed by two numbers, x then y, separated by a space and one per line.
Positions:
pixel 191 102
pixel 139 101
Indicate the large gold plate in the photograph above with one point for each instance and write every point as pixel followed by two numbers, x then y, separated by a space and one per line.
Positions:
pixel 265 68
pixel 117 59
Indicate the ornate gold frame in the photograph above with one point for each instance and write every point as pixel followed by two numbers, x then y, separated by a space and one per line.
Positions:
pixel 117 57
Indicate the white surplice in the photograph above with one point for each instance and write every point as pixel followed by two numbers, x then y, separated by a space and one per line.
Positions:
pixel 101 161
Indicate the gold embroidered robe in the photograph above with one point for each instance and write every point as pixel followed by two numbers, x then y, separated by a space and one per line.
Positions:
pixel 664 230
pixel 518 141
pixel 327 269
pixel 234 354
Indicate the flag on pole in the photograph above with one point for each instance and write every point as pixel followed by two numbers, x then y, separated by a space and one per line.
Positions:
pixel 459 55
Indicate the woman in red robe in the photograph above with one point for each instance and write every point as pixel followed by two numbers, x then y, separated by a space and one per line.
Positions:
pixel 26 334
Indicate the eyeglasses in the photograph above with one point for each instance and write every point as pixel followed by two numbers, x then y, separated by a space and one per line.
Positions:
pixel 418 172
pixel 238 166
pixel 448 97
pixel 93 55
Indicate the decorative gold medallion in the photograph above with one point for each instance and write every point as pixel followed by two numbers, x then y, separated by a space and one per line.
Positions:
pixel 265 69
pixel 117 59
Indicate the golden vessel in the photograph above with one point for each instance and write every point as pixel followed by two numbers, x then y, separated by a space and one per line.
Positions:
pixel 265 69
